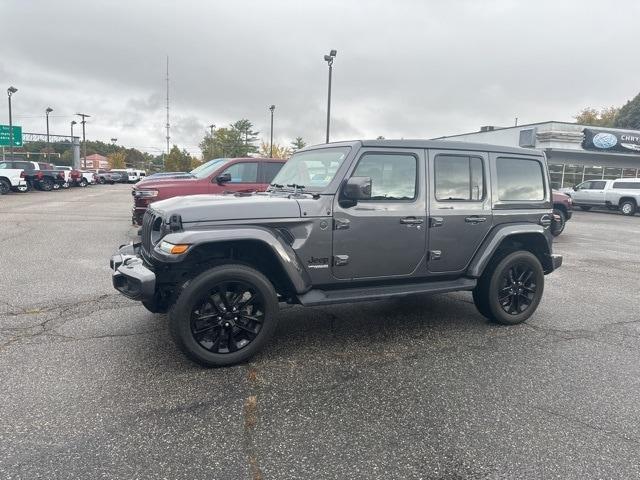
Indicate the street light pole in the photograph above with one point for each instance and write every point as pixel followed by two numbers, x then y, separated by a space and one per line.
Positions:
pixel 329 59
pixel 11 91
pixel 47 112
pixel 272 108
pixel 84 138
pixel 212 127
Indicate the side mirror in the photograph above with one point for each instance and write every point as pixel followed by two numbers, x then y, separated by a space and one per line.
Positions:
pixel 224 178
pixel 357 188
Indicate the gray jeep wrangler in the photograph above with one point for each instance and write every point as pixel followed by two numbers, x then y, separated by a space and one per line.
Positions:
pixel 346 222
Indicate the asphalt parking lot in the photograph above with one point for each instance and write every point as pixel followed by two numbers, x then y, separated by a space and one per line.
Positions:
pixel 92 387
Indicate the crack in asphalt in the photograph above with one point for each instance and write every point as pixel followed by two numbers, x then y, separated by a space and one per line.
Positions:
pixel 61 314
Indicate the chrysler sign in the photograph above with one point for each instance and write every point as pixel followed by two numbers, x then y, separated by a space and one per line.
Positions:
pixel 613 141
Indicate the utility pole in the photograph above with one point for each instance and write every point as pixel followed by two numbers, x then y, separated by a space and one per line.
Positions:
pixel 47 112
pixel 329 59
pixel 272 108
pixel 10 91
pixel 212 127
pixel 168 135
pixel 84 138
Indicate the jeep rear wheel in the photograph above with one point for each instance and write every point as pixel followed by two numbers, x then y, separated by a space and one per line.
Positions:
pixel 224 316
pixel 510 289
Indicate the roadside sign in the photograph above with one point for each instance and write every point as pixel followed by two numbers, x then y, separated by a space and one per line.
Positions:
pixel 5 137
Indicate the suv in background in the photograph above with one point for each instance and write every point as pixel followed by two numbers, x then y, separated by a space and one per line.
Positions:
pixel 346 222
pixel 215 176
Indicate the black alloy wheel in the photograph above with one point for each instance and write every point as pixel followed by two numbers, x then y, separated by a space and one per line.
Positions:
pixel 5 186
pixel 517 288
pixel 228 317
pixel 510 288
pixel 101 180
pixel 224 316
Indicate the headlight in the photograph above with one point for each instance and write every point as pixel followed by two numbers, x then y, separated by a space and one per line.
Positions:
pixel 145 193
pixel 173 249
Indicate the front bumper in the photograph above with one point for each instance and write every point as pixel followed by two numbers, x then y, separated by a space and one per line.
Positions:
pixel 556 260
pixel 131 277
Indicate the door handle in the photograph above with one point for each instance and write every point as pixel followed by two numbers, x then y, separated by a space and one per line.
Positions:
pixel 411 221
pixel 475 219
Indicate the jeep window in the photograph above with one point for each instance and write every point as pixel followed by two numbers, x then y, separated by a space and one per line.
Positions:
pixel 313 169
pixel 270 170
pixel 243 172
pixel 520 179
pixel 206 169
pixel 459 178
pixel 393 176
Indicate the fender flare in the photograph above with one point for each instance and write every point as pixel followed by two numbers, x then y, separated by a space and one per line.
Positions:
pixel 282 251
pixel 493 241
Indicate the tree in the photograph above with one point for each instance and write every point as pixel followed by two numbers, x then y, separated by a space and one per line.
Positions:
pixel 177 161
pixel 279 151
pixel 237 140
pixel 134 158
pixel 297 144
pixel 603 118
pixel 629 115
pixel 117 160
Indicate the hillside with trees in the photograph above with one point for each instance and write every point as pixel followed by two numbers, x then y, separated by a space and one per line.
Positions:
pixel 627 116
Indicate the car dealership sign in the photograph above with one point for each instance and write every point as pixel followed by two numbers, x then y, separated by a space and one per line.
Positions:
pixel 609 140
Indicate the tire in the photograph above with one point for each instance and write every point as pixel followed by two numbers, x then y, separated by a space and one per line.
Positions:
pixel 47 184
pixel 5 186
pixel 520 266
pixel 558 228
pixel 628 208
pixel 65 185
pixel 22 188
pixel 84 183
pixel 101 181
pixel 586 209
pixel 221 337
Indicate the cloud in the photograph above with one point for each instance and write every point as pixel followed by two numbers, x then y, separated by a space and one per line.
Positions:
pixel 404 69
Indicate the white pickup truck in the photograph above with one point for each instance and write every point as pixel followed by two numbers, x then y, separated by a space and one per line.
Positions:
pixel 11 179
pixel 621 194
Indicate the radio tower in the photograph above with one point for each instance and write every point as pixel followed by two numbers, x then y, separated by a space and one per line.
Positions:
pixel 168 136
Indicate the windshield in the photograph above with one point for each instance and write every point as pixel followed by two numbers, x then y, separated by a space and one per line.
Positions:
pixel 312 170
pixel 207 168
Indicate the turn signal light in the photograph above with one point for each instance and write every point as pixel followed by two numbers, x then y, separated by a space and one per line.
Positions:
pixel 174 249
pixel 178 249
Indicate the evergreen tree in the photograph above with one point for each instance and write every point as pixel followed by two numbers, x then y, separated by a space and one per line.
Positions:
pixel 629 115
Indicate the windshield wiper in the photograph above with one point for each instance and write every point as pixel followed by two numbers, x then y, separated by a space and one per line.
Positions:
pixel 296 187
pixel 277 185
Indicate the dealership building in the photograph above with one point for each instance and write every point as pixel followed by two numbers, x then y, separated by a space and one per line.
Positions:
pixel 575 153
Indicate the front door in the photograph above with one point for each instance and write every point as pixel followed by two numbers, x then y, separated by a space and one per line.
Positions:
pixel 244 178
pixel 460 208
pixel 386 235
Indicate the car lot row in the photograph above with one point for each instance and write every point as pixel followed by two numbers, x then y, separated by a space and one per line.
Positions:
pixel 22 176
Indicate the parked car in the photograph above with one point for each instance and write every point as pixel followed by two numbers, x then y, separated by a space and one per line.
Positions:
pixel 562 210
pixel 216 176
pixel 72 176
pixel 621 194
pixel 39 175
pixel 156 176
pixel 87 178
pixel 345 222
pixel 107 176
pixel 12 179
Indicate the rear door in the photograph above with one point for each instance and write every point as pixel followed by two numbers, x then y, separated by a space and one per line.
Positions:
pixel 460 208
pixel 268 171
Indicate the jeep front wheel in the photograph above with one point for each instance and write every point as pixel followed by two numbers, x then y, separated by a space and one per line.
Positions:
pixel 224 316
pixel 510 290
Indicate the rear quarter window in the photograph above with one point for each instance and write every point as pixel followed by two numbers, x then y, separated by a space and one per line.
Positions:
pixel 627 185
pixel 520 179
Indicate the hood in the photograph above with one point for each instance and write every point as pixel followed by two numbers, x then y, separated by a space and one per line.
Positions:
pixel 206 208
pixel 163 182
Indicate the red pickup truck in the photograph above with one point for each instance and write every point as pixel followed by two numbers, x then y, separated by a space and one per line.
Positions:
pixel 215 176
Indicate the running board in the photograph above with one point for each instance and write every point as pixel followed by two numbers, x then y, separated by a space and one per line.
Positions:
pixel 362 294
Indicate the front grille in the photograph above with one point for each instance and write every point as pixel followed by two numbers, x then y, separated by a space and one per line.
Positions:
pixel 145 235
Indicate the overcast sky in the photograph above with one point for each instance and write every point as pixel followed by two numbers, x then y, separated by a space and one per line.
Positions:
pixel 413 69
